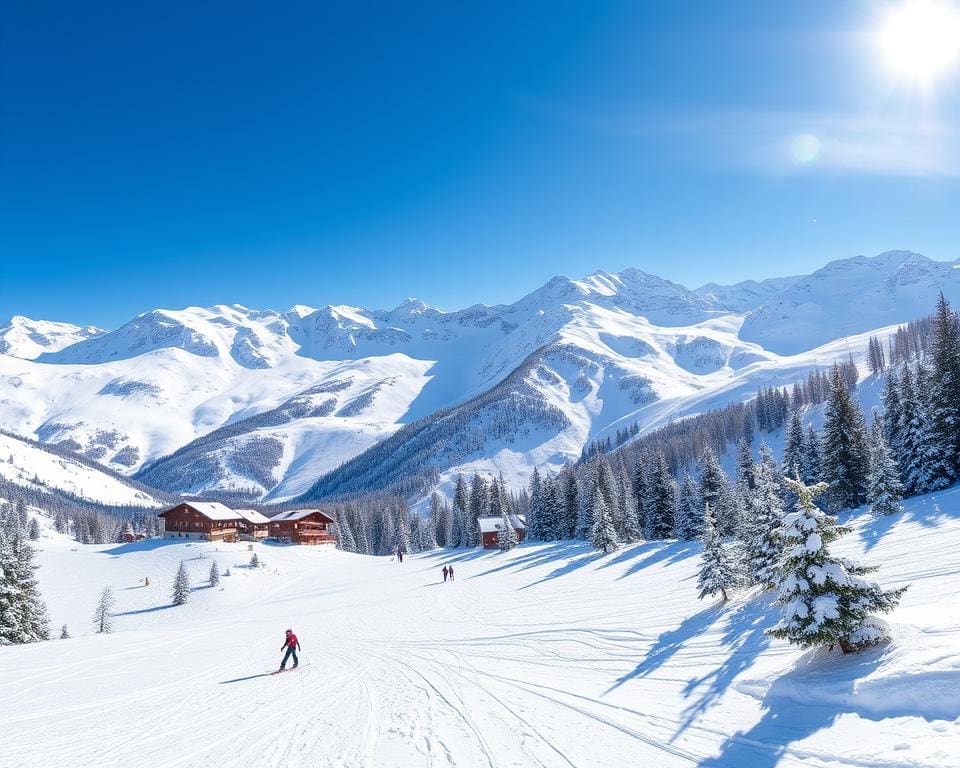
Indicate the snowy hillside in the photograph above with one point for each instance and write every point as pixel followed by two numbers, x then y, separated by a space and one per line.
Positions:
pixel 549 655
pixel 40 471
pixel 256 404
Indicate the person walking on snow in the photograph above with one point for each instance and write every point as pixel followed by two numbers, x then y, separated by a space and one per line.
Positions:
pixel 451 573
pixel 444 573
pixel 291 645
pixel 400 554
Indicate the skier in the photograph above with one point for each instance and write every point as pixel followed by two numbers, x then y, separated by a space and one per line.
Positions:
pixel 400 554
pixel 292 645
pixel 445 573
pixel 451 573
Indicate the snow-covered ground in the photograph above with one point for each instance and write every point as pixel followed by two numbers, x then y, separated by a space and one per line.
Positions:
pixel 547 656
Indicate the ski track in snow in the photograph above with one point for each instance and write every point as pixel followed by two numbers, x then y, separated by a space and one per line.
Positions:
pixel 548 656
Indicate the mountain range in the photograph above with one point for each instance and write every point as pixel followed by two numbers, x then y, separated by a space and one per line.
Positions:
pixel 259 405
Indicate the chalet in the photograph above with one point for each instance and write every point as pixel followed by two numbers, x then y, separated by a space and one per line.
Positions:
pixel 253 523
pixel 490 527
pixel 303 526
pixel 208 520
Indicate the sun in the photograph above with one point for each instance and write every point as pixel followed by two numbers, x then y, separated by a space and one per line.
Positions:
pixel 920 39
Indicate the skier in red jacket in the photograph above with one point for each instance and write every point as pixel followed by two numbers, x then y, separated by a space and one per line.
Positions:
pixel 292 645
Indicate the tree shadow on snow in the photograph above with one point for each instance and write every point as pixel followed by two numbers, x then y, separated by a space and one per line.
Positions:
pixel 669 643
pixel 146 545
pixel 929 511
pixel 138 611
pixel 745 637
pixel 660 551
pixel 789 717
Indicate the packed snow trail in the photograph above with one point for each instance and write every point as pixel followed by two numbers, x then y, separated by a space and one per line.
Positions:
pixel 545 656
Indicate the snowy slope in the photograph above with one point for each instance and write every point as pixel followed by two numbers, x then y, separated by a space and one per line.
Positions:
pixel 255 404
pixel 36 468
pixel 549 656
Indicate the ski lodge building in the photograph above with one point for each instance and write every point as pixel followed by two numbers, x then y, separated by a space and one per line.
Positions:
pixel 303 526
pixel 213 521
pixel 490 527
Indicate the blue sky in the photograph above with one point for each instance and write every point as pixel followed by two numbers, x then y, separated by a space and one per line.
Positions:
pixel 279 153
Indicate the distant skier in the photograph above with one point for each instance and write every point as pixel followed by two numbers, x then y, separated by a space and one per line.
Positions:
pixel 445 573
pixel 291 645
pixel 400 554
pixel 451 573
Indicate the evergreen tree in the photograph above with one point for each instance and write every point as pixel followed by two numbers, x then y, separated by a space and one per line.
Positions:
pixel 461 514
pixel 602 534
pixel 570 491
pixel 661 500
pixel 939 467
pixel 181 582
pixel 23 614
pixel 715 491
pixel 402 525
pixel 506 535
pixel 764 546
pixel 479 506
pixel 845 458
pixel 810 457
pixel 103 616
pixel 826 601
pixel 255 562
pixel 885 490
pixel 214 574
pixel 443 523
pixel 911 436
pixel 33 530
pixel 890 398
pixel 944 393
pixel 641 472
pixel 536 516
pixel 64 633
pixel 793 446
pixel 689 523
pixel 344 535
pixel 745 480
pixel 718 572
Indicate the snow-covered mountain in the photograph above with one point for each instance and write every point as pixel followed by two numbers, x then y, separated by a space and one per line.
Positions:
pixel 22 337
pixel 259 404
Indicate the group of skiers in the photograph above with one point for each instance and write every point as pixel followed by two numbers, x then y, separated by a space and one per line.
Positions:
pixel 448 572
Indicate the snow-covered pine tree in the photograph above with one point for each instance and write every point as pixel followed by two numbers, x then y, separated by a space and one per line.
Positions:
pixel 629 517
pixel 763 544
pixel 793 446
pixel 939 468
pixel 910 454
pixel 103 615
pixel 443 523
pixel 661 502
pixel 460 513
pixel 402 526
pixel 715 491
pixel 255 562
pixel 180 592
pixel 33 530
pixel 826 601
pixel 603 536
pixel 535 516
pixel 885 490
pixel 640 479
pixel 689 523
pixel 344 535
pixel 506 534
pixel 479 506
pixel 570 493
pixel 890 397
pixel 744 481
pixel 588 480
pixel 23 614
pixel 214 574
pixel 718 572
pixel 845 455
pixel 810 457
pixel 944 393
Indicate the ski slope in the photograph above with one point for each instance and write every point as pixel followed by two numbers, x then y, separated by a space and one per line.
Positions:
pixel 546 656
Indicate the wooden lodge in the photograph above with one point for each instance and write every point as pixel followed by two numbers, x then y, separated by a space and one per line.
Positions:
pixel 303 526
pixel 490 527
pixel 208 520
pixel 253 523
pixel 213 521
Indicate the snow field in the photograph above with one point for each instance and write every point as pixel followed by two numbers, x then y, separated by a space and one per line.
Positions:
pixel 549 655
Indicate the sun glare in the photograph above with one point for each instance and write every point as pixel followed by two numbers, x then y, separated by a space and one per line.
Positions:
pixel 920 39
